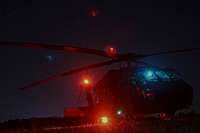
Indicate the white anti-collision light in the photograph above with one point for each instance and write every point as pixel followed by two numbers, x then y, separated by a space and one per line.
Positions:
pixel 119 112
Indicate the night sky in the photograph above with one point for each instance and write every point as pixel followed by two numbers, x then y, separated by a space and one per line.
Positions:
pixel 141 27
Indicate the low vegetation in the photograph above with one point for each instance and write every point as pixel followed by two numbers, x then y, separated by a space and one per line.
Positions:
pixel 183 123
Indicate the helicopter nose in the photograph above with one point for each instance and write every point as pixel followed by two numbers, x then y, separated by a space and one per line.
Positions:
pixel 185 93
pixel 178 93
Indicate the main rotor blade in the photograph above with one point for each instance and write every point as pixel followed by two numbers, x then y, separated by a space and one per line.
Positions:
pixel 132 57
pixel 168 52
pixel 68 73
pixel 57 47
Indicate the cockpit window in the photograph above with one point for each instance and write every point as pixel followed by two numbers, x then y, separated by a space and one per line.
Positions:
pixel 162 75
pixel 157 75
pixel 147 76
pixel 173 75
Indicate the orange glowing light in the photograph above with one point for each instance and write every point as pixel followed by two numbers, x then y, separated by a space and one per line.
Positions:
pixel 104 120
pixel 86 81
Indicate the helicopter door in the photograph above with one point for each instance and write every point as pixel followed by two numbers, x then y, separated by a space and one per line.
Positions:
pixel 143 78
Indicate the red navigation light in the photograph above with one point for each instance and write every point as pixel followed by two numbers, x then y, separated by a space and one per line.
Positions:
pixel 110 51
pixel 148 94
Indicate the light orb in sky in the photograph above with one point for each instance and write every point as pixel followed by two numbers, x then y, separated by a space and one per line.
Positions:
pixel 93 10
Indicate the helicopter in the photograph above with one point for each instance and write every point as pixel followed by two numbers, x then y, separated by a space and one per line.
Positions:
pixel 140 88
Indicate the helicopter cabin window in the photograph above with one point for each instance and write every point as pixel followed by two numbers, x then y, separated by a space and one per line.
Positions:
pixel 153 76
pixel 174 75
pixel 162 75
pixel 146 76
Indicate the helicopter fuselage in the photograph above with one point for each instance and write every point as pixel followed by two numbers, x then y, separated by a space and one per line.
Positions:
pixel 143 90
